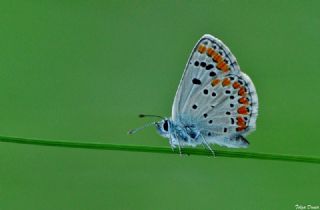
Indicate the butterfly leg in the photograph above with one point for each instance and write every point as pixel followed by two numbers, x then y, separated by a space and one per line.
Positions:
pixel 171 144
pixel 172 139
pixel 179 147
pixel 172 148
pixel 205 144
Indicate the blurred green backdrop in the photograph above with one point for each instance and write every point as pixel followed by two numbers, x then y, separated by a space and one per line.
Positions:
pixel 83 70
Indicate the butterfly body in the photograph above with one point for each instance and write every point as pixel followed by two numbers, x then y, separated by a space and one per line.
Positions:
pixel 188 134
pixel 179 133
pixel 215 102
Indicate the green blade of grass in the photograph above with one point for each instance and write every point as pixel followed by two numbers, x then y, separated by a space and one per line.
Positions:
pixel 163 150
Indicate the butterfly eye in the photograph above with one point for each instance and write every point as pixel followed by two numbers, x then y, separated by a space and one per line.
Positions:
pixel 165 125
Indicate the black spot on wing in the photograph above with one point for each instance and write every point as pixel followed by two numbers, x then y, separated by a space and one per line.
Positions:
pixel 212 74
pixel 196 81
pixel 241 138
pixel 208 67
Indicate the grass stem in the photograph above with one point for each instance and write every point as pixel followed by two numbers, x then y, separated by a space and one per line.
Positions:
pixel 163 150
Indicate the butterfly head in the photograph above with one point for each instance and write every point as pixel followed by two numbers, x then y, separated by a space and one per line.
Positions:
pixel 164 127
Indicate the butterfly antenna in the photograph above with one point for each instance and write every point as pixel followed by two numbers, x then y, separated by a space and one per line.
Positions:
pixel 150 115
pixel 140 128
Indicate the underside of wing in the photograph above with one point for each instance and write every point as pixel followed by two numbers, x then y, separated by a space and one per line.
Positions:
pixel 232 112
pixel 209 59
pixel 215 96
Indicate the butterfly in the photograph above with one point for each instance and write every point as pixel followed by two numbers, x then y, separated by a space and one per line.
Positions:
pixel 215 102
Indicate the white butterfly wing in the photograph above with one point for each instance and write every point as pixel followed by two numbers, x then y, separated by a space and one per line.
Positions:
pixel 215 95
pixel 199 68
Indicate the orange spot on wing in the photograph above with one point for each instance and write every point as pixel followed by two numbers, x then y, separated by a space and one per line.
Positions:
pixel 220 65
pixel 243 100
pixel 226 82
pixel 241 128
pixel 217 57
pixel 243 110
pixel 236 85
pixel 210 52
pixel 240 119
pixel 241 122
pixel 213 53
pixel 215 82
pixel 223 66
pixel 201 48
pixel 242 91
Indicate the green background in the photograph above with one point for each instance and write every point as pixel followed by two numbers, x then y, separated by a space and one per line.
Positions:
pixel 83 70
